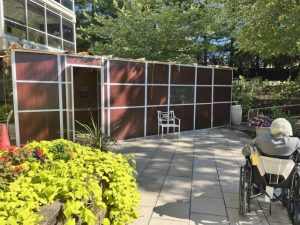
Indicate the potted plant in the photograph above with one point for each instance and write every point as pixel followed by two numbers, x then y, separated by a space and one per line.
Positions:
pixel 261 123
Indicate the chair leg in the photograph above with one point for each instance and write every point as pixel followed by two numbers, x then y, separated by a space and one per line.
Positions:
pixel 158 130
pixel 162 131
pixel 179 132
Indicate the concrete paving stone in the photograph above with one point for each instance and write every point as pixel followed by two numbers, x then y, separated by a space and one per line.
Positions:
pixel 175 195
pixel 158 165
pixel 181 170
pixel 204 162
pixel 153 173
pixel 207 192
pixel 205 183
pixel 148 198
pixel 177 182
pixel 253 218
pixel 206 176
pixel 230 186
pixel 156 221
pixel 205 219
pixel 151 184
pixel 178 211
pixel 231 175
pixel 183 156
pixel 231 200
pixel 145 214
pixel 279 213
pixel 205 170
pixel 206 205
pixel 274 223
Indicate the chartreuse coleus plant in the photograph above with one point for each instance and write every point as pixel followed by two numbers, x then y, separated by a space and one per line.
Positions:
pixel 87 181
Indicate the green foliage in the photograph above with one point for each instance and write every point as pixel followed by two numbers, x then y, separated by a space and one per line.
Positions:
pixel 92 136
pixel 87 182
pixel 266 28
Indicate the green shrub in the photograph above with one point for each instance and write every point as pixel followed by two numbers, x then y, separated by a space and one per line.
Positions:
pixel 85 180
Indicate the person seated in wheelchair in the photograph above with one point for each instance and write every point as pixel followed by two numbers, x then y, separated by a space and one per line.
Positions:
pixel 278 142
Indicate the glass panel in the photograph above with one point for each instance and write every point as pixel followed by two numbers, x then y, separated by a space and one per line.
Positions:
pixel 68 4
pixel 69 47
pixel 15 10
pixel 53 24
pixel 15 30
pixel 182 95
pixel 37 37
pixel 68 31
pixel 54 42
pixel 36 16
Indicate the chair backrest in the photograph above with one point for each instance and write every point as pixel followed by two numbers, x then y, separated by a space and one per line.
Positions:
pixel 165 116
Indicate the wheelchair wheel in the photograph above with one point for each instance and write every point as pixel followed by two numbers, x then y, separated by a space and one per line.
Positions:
pixel 296 214
pixel 243 192
pixel 293 204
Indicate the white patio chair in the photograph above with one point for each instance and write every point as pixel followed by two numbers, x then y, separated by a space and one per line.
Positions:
pixel 167 119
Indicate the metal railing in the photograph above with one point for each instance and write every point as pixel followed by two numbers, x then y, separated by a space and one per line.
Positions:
pixel 258 110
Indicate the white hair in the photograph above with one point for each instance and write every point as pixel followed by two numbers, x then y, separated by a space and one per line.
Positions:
pixel 281 126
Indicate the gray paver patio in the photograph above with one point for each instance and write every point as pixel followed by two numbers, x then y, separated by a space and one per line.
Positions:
pixel 194 180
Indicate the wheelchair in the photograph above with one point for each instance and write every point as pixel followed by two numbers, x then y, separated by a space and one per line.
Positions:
pixel 259 177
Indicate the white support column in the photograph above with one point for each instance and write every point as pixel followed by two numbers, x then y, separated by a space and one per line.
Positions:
pixel 15 97
pixel 212 97
pixel 231 93
pixel 73 107
pixel 61 122
pixel 146 103
pixel 195 98
pixel 102 98
pixel 108 97
pixel 169 91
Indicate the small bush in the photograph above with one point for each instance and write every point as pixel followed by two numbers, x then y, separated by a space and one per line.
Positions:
pixel 84 180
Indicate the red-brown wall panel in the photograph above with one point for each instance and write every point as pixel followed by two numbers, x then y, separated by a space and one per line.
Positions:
pixel 32 96
pixel 35 66
pixel 127 95
pixel 221 114
pixel 203 94
pixel 223 77
pixel 86 61
pixel 127 72
pixel 157 95
pixel 85 118
pixel 182 74
pixel 152 119
pixel 222 94
pixel 186 114
pixel 204 76
pixel 203 116
pixel 158 73
pixel 39 126
pixel 127 123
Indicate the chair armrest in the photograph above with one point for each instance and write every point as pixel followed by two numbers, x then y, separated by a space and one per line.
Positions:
pixel 176 118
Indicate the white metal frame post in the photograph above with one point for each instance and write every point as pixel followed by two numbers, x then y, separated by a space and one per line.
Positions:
pixel 61 121
pixel 102 98
pixel 195 98
pixel 212 97
pixel 169 92
pixel 146 94
pixel 231 93
pixel 108 97
pixel 15 97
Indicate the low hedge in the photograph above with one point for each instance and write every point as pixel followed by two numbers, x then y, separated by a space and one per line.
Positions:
pixel 85 180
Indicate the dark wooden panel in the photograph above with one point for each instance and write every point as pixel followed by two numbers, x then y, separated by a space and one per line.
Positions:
pixel 127 72
pixel 123 95
pixel 222 94
pixel 68 125
pixel 67 95
pixel 157 95
pixel 223 76
pixel 85 87
pixel 203 116
pixel 37 96
pixel 39 126
pixel 127 123
pixel 221 114
pixel 186 114
pixel 152 119
pixel 80 60
pixel 204 76
pixel 203 95
pixel 85 118
pixel 158 73
pixel 182 75
pixel 63 68
pixel 35 66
